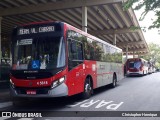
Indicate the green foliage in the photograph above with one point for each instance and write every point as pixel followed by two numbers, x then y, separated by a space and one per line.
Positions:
pixel 148 5
pixel 133 28
pixel 157 64
pixel 154 54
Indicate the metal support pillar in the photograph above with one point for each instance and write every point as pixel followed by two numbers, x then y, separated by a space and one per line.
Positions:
pixel 84 18
pixel 0 39
pixel 126 52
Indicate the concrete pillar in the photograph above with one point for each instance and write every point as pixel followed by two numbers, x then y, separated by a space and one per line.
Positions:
pixel 133 54
pixel 126 52
pixel 84 18
pixel 0 39
pixel 115 39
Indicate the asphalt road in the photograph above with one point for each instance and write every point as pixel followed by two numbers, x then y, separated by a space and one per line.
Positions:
pixel 132 94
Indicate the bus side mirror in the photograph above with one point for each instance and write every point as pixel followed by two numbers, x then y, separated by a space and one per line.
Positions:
pixel 73 47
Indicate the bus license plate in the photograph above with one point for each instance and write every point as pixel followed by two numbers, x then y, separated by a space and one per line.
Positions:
pixel 31 92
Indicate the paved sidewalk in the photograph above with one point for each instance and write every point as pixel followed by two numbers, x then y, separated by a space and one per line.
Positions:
pixel 4 84
pixel 4 91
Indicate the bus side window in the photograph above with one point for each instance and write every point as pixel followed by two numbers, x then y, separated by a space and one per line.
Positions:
pixel 80 51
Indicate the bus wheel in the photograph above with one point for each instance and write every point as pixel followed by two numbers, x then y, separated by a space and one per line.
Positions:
pixel 114 82
pixel 88 89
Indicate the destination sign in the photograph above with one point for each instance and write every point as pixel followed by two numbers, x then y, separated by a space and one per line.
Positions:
pixel 24 42
pixel 25 31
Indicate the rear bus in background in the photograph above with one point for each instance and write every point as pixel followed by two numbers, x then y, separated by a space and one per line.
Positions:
pixel 136 66
pixel 55 59
pixel 150 67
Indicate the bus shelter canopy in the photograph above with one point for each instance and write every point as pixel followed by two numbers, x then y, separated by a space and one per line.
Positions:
pixel 105 19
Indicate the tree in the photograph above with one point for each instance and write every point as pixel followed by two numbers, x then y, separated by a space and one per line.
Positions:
pixel 148 5
pixel 154 55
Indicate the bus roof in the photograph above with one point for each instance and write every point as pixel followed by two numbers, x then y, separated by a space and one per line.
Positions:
pixel 132 59
pixel 35 23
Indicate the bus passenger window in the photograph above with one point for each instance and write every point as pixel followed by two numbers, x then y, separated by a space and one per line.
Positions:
pixel 80 51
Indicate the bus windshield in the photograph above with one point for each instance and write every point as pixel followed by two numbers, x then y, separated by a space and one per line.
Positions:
pixel 39 53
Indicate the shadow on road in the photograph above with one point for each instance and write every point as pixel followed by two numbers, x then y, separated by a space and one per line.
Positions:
pixel 40 104
pixel 132 76
pixel 4 91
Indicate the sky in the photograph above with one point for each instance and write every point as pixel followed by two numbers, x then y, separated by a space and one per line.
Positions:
pixel 151 36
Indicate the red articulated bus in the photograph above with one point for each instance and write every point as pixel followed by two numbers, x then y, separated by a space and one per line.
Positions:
pixel 136 66
pixel 54 59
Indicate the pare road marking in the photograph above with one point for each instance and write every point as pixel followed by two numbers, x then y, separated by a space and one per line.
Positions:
pixel 78 103
pixel 88 104
pixel 109 105
pixel 103 103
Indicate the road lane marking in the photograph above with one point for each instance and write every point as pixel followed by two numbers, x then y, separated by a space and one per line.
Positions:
pixel 26 119
pixel 5 104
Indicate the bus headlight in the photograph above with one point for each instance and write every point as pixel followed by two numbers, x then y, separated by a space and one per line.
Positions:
pixel 58 82
pixel 12 84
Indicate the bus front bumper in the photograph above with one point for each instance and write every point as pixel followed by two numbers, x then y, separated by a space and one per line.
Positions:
pixel 134 73
pixel 59 91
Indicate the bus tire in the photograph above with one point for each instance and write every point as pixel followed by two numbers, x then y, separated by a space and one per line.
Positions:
pixel 88 89
pixel 114 81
